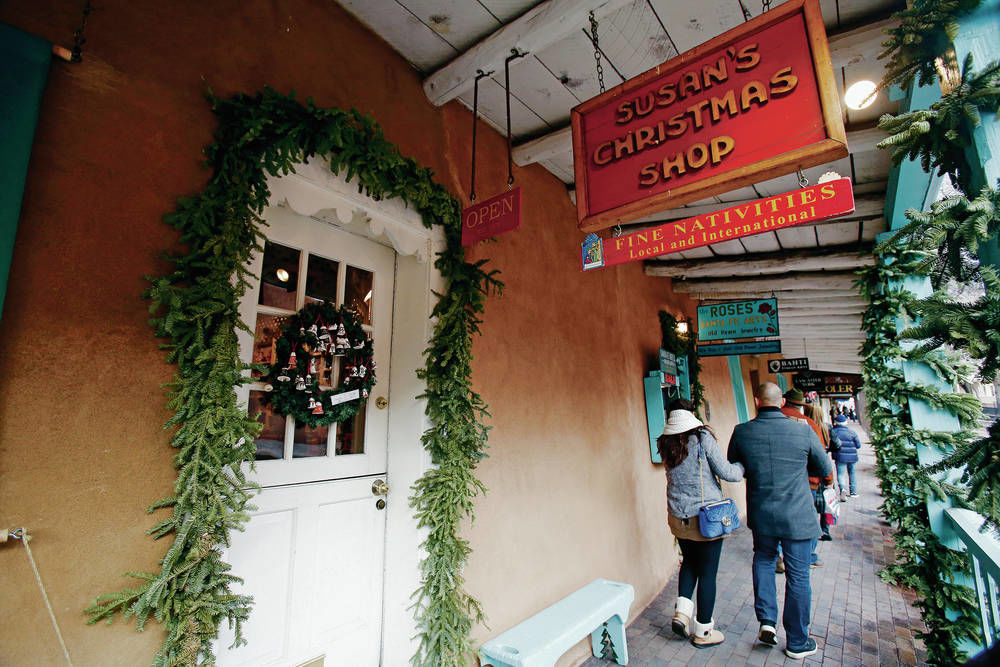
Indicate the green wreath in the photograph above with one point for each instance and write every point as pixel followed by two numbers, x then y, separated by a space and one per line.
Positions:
pixel 309 341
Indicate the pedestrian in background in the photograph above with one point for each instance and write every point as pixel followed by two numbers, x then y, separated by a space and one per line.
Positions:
pixel 777 453
pixel 795 408
pixel 846 457
pixel 693 461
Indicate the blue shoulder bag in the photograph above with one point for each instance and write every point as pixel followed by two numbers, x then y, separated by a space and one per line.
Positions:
pixel 719 518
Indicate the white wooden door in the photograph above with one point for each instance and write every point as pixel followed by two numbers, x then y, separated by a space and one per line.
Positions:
pixel 312 553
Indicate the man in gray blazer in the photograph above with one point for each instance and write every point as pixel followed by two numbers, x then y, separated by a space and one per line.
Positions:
pixel 777 454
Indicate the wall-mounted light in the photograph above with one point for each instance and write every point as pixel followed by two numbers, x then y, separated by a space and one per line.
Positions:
pixel 860 95
pixel 282 275
pixel 682 327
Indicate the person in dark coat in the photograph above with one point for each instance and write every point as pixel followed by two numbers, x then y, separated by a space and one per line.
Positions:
pixel 847 456
pixel 777 453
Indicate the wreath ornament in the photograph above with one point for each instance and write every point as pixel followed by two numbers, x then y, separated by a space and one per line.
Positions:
pixel 306 350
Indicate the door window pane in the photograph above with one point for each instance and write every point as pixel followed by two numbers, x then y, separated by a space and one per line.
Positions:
pixel 271 441
pixel 321 280
pixel 351 435
pixel 358 295
pixel 279 276
pixel 265 334
pixel 310 441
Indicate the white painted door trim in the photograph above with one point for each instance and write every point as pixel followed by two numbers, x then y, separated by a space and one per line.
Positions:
pixel 316 192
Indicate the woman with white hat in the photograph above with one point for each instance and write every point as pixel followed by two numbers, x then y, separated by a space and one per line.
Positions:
pixel 685 447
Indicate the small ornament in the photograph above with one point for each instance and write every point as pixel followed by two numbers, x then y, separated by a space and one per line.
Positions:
pixel 324 334
pixel 313 331
pixel 361 343
pixel 300 384
pixel 342 343
pixel 291 360
pixel 364 393
pixel 312 366
pixel 284 376
pixel 309 381
pixel 268 387
pixel 355 373
pixel 302 332
pixel 312 402
pixel 318 408
pixel 361 371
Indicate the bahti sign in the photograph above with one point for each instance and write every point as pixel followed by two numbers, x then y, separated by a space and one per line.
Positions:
pixel 809 205
pixel 756 102
pixel 750 318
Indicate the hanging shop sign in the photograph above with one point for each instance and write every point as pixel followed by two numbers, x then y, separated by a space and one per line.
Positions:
pixel 492 217
pixel 730 349
pixel 668 366
pixel 750 318
pixel 756 102
pixel 827 384
pixel 813 204
pixel 783 365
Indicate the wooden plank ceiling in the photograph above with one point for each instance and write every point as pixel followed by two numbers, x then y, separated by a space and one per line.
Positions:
pixel 808 268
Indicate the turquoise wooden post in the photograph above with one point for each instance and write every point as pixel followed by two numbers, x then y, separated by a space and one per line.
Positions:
pixel 739 394
pixel 782 382
pixel 683 377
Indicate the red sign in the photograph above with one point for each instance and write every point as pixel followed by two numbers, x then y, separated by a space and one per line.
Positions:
pixel 757 102
pixel 494 216
pixel 808 205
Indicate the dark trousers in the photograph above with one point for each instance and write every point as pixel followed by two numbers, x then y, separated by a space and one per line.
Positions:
pixel 700 566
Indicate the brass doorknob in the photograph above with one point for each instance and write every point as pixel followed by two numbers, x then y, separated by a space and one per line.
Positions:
pixel 381 403
pixel 380 488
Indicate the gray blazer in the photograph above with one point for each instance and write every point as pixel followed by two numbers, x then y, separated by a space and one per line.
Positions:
pixel 683 484
pixel 777 453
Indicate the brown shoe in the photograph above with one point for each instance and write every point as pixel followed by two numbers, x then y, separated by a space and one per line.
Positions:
pixel 706 636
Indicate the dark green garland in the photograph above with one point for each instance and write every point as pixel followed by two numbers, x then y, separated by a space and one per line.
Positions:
pixel 922 562
pixel 296 335
pixel 196 308
pixel 683 345
pixel 943 244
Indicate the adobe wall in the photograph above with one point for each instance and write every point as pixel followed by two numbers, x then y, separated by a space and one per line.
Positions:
pixel 573 495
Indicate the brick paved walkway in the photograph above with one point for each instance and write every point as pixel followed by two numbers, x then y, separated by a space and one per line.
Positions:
pixel 857 619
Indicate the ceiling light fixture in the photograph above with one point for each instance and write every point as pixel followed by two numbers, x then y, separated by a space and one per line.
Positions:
pixel 860 95
pixel 282 275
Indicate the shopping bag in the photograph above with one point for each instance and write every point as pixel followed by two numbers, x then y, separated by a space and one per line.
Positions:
pixel 831 506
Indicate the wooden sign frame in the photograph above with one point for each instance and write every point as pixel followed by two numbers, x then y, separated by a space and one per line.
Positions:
pixel 833 147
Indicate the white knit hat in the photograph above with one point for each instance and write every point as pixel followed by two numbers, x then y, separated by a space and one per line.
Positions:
pixel 681 421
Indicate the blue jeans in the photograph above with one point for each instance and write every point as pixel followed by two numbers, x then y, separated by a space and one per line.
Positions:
pixel 795 617
pixel 846 470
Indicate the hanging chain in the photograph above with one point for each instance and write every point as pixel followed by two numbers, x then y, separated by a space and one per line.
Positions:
pixel 765 6
pixel 803 181
pixel 78 38
pixel 597 51
pixel 475 118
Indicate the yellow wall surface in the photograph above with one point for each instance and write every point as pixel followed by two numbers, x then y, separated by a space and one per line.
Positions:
pixel 572 493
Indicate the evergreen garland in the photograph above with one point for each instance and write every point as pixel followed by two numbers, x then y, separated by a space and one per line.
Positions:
pixel 196 308
pixel 924 35
pixel 943 244
pixel 683 345
pixel 922 562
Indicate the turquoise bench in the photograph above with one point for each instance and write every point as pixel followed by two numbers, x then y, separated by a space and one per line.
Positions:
pixel 540 640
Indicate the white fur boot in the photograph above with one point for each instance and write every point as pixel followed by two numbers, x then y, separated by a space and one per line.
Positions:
pixel 683 611
pixel 705 635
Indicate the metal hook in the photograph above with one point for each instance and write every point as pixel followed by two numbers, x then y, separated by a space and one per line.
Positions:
pixel 803 181
pixel 618 230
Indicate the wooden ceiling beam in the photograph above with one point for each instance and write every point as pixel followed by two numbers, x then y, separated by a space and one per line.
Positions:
pixel 812 280
pixel 784 296
pixel 830 259
pixel 534 31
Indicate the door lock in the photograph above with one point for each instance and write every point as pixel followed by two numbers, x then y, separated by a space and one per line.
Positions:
pixel 380 488
pixel 380 504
